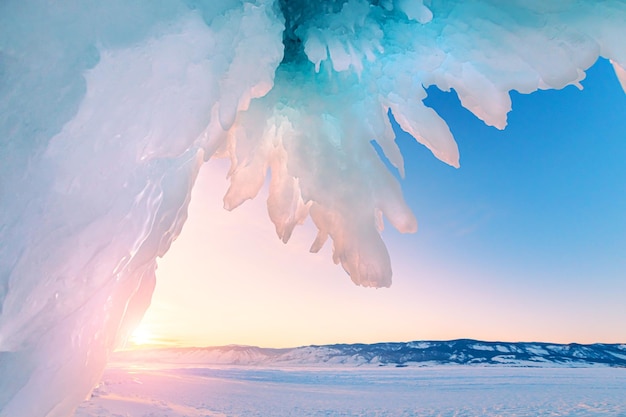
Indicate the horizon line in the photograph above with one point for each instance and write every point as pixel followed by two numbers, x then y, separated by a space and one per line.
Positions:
pixel 171 345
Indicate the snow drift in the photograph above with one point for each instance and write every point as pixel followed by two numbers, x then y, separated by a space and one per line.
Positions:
pixel 107 110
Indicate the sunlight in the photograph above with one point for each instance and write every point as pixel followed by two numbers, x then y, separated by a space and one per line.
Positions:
pixel 142 336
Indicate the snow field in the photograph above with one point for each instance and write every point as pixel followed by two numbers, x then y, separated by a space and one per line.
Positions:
pixel 370 392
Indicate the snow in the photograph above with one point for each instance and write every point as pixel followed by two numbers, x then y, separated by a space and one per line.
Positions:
pixel 537 350
pixel 436 391
pixel 107 110
pixel 499 348
pixel 382 354
pixel 419 345
pixel 482 347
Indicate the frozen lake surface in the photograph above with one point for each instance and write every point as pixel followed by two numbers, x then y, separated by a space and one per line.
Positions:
pixel 372 392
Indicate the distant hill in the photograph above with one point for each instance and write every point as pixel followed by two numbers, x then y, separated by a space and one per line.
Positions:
pixel 419 353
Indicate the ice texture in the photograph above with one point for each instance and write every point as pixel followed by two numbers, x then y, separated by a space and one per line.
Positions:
pixel 107 110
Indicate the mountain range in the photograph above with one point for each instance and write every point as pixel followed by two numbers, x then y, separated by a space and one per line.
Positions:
pixel 417 353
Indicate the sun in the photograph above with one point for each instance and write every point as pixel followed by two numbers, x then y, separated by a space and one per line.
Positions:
pixel 142 336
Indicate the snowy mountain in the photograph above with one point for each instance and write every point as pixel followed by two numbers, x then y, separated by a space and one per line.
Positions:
pixel 418 353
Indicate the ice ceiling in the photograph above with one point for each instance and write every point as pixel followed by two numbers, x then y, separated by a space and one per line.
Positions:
pixel 108 109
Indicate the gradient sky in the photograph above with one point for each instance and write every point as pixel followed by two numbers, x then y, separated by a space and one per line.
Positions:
pixel 525 242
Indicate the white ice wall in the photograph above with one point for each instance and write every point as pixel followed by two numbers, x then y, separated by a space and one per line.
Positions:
pixel 90 204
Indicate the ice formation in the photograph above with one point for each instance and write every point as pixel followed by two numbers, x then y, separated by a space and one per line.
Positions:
pixel 107 110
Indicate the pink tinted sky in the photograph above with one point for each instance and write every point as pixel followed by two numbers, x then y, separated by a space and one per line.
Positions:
pixel 229 280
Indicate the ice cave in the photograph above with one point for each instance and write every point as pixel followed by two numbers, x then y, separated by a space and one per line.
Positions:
pixel 108 109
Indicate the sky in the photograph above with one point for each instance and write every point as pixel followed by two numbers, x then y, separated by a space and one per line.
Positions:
pixel 525 242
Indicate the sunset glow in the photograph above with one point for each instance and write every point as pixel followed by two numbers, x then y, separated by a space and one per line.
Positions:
pixel 142 336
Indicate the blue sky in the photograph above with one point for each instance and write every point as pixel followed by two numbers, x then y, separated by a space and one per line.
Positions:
pixel 537 213
pixel 525 242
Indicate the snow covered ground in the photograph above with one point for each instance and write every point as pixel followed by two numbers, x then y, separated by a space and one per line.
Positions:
pixel 133 391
